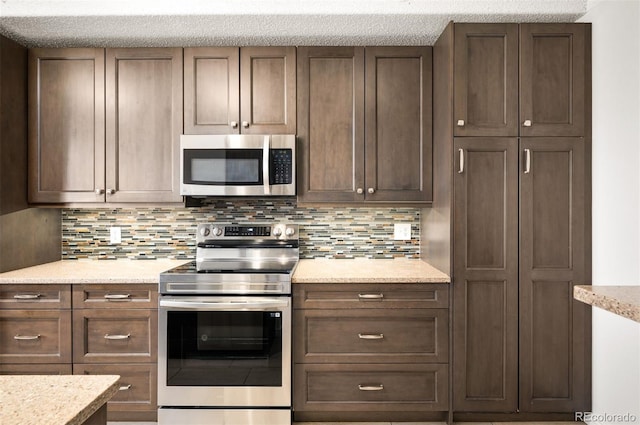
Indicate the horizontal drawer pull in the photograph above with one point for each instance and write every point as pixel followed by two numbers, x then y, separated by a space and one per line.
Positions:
pixel 117 297
pixel 371 296
pixel 371 336
pixel 125 387
pixel 107 336
pixel 27 296
pixel 378 387
pixel 26 337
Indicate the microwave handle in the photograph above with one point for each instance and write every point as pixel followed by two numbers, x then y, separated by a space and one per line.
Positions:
pixel 266 165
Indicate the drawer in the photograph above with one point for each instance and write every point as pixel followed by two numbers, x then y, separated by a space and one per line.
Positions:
pixel 136 400
pixel 36 369
pixel 370 387
pixel 118 336
pixel 35 336
pixel 363 296
pixel 32 297
pixel 374 336
pixel 115 296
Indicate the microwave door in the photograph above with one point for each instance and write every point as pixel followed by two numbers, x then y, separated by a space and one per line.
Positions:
pixel 266 165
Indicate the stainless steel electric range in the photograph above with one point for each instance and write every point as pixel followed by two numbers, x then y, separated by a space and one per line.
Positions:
pixel 224 338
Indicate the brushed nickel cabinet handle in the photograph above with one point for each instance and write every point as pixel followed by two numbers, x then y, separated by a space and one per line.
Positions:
pixel 378 387
pixel 371 296
pixel 107 336
pixel 527 161
pixel 460 123
pixel 27 296
pixel 125 387
pixel 118 297
pixel 26 337
pixel 371 336
pixel 526 123
pixel 461 161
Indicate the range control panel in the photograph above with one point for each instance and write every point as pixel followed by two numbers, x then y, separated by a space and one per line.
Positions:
pixel 218 231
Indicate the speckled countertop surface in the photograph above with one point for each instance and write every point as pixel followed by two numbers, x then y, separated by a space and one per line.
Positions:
pixel 399 270
pixel 621 300
pixel 53 399
pixel 92 271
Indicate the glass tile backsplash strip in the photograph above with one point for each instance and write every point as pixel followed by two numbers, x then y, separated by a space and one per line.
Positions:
pixel 151 233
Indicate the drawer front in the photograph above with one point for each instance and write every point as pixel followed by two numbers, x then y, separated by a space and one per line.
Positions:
pixel 34 297
pixel 115 296
pixel 138 389
pixel 106 336
pixel 35 336
pixel 364 296
pixel 374 336
pixel 370 387
pixel 35 369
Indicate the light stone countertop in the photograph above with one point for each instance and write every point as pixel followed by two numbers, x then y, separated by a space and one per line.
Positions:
pixel 53 399
pixel 621 300
pixel 363 270
pixel 92 271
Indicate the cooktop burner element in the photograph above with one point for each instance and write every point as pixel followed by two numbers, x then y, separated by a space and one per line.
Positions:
pixel 237 259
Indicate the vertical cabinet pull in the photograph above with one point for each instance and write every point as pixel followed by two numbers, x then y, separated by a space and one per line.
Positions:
pixel 461 161
pixel 527 161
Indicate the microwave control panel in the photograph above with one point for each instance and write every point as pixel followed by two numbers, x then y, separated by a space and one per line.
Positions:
pixel 281 164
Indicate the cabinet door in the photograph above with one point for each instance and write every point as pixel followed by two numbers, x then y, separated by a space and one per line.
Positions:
pixel 553 59
pixel 398 124
pixel 485 289
pixel 66 125
pixel 144 123
pixel 486 80
pixel 331 124
pixel 211 90
pixel 268 90
pixel 554 343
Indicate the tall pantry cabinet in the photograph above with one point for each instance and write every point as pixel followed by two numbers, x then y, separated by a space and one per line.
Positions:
pixel 512 180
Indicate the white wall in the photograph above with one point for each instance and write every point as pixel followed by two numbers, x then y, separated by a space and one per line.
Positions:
pixel 616 199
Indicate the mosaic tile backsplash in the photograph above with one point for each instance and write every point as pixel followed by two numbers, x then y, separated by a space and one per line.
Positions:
pixel 151 233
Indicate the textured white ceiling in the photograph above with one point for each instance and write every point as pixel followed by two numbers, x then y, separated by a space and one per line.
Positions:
pixel 130 23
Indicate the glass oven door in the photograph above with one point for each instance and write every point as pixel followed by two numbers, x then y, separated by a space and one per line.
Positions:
pixel 224 351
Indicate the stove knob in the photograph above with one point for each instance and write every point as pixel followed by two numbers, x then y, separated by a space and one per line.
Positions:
pixel 217 231
pixel 204 231
pixel 290 231
pixel 277 231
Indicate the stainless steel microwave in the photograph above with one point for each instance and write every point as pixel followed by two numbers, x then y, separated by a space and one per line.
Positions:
pixel 238 165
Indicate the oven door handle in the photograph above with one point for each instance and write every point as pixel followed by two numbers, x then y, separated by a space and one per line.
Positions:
pixel 264 305
pixel 266 164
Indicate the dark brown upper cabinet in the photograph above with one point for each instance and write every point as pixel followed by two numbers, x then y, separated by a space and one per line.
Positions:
pixel 66 125
pixel 83 151
pixel 364 124
pixel 143 124
pixel 251 90
pixel 553 60
pixel 486 80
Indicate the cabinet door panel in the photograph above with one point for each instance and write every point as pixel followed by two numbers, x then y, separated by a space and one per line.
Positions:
pixel 268 90
pixel 486 80
pixel 552 79
pixel 211 90
pixel 485 290
pixel 66 125
pixel 144 123
pixel 331 123
pixel 553 338
pixel 398 124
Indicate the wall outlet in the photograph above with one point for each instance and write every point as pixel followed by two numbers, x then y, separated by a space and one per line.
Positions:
pixel 115 235
pixel 402 231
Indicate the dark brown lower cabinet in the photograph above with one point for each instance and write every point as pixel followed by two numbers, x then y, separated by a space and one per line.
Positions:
pixel 520 341
pixel 367 352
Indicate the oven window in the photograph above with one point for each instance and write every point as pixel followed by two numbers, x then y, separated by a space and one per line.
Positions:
pixel 224 348
pixel 223 167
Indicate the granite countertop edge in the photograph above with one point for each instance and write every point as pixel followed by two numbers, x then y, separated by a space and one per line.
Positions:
pixel 621 300
pixel 100 400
